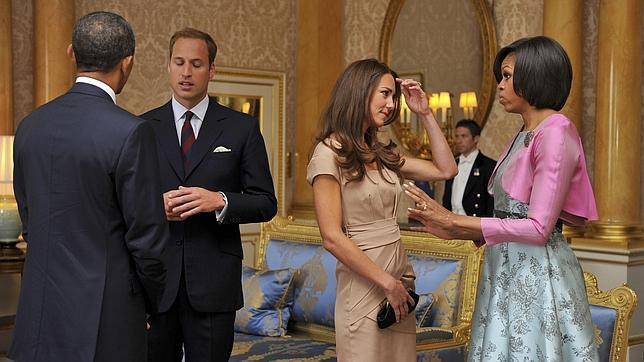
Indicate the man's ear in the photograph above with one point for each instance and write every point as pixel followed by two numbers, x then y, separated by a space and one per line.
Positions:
pixel 212 70
pixel 476 139
pixel 70 53
pixel 127 63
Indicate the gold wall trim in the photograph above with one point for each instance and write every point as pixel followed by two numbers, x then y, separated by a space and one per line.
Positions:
pixel 607 261
pixel 612 230
pixel 488 45
pixel 625 247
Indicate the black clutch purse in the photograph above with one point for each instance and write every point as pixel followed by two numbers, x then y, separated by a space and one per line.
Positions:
pixel 386 314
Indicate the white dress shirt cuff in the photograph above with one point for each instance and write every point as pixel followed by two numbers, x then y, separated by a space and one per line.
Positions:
pixel 221 214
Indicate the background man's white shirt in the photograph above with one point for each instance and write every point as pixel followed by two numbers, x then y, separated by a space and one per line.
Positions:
pixel 465 164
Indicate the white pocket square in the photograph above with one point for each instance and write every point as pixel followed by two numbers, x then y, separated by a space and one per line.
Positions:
pixel 221 149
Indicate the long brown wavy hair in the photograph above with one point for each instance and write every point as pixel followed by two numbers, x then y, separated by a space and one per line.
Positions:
pixel 344 117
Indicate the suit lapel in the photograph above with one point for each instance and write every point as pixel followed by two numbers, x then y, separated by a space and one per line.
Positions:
pixel 168 136
pixel 470 180
pixel 211 129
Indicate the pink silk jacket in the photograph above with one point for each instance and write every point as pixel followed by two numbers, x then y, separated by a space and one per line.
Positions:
pixel 549 175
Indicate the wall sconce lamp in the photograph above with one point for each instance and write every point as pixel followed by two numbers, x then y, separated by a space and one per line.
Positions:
pixel 468 102
pixel 444 103
pixel 412 134
pixel 405 113
pixel 433 102
pixel 10 226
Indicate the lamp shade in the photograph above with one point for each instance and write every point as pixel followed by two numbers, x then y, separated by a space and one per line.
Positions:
pixel 6 165
pixel 444 100
pixel 433 101
pixel 471 99
pixel 462 101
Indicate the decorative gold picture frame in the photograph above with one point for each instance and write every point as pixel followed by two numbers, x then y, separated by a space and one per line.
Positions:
pixel 262 95
pixel 234 87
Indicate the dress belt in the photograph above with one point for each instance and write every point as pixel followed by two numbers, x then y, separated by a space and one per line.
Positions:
pixel 374 234
pixel 509 215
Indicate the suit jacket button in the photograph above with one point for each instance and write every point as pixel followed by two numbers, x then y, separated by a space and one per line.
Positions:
pixel 476 206
pixel 473 214
pixel 478 195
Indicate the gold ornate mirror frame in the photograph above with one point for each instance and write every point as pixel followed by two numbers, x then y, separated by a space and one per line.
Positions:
pixel 489 49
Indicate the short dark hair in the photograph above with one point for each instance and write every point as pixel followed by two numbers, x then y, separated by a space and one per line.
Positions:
pixel 470 124
pixel 100 41
pixel 542 73
pixel 195 34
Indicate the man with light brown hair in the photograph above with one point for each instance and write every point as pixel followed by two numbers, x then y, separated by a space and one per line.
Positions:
pixel 214 176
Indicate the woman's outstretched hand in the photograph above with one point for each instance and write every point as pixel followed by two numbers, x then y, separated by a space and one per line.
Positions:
pixel 414 95
pixel 435 218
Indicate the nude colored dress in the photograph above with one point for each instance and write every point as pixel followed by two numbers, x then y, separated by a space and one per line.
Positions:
pixel 369 217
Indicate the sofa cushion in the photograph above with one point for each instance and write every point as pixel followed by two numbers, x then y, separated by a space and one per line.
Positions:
pixel 314 286
pixel 268 297
pixel 423 309
pixel 441 277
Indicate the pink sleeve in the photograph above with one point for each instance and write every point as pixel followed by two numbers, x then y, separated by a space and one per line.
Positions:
pixel 554 158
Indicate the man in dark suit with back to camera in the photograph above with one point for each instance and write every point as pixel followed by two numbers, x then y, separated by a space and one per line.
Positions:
pixel 215 175
pixel 86 182
pixel 466 194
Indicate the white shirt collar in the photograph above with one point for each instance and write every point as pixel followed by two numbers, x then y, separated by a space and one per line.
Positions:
pixel 469 158
pixel 98 83
pixel 199 110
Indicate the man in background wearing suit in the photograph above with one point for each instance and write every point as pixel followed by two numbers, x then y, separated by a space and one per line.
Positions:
pixel 466 194
pixel 86 182
pixel 215 175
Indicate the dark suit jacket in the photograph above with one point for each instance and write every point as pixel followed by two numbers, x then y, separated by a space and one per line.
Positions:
pixel 209 251
pixel 476 200
pixel 86 182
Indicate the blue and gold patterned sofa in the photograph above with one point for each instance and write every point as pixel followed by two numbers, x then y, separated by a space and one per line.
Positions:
pixel 447 269
pixel 611 312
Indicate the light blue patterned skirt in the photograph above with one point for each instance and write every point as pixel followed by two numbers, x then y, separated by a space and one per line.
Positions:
pixel 531 304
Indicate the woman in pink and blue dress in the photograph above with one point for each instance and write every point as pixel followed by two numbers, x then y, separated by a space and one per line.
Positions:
pixel 356 188
pixel 531 303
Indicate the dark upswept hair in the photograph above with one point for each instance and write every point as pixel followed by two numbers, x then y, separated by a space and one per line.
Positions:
pixel 344 116
pixel 542 73
pixel 475 129
pixel 100 41
pixel 192 33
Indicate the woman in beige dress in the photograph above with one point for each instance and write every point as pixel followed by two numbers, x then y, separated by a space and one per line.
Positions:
pixel 357 187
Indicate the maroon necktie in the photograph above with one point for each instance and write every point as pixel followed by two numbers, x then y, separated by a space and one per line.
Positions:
pixel 187 139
